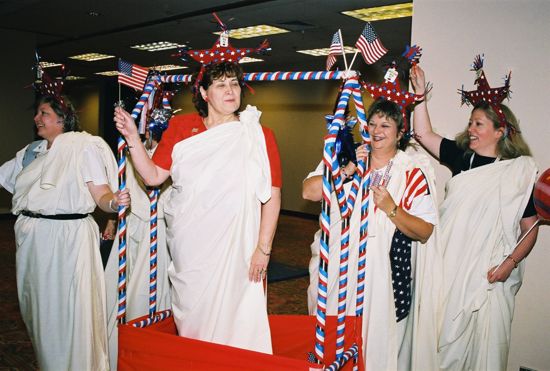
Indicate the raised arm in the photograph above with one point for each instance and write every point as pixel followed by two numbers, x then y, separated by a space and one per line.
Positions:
pixel 421 119
pixel 152 174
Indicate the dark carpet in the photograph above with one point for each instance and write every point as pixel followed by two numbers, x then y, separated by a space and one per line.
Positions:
pixel 288 281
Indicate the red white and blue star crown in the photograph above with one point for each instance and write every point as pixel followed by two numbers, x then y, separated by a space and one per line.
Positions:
pixel 391 90
pixel 221 51
pixel 47 86
pixel 484 93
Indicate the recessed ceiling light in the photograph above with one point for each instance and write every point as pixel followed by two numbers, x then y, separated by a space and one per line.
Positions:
pixel 71 77
pixel 250 60
pixel 167 67
pixel 156 46
pixel 93 13
pixel 254 31
pixel 90 57
pixel 382 12
pixel 325 51
pixel 107 73
pixel 49 64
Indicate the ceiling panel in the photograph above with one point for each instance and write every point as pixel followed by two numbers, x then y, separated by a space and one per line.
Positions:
pixel 64 28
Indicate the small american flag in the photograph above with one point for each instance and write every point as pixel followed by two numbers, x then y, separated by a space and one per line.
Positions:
pixel 132 75
pixel 336 48
pixel 369 45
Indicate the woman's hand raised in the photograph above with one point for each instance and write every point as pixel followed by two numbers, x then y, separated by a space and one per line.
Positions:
pixel 125 123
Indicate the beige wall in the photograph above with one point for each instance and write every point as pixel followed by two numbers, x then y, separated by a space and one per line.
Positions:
pixel 513 35
pixel 85 98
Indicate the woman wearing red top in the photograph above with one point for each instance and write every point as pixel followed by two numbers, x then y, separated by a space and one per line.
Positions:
pixel 221 212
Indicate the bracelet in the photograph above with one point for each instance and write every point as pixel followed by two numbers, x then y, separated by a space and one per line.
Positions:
pixel 393 213
pixel 111 205
pixel 514 260
pixel 263 252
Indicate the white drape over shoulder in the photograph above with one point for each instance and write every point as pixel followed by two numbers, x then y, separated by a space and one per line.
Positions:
pixel 220 177
pixel 479 228
pixel 59 272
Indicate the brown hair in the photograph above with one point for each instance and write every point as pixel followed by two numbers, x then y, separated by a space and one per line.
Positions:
pixel 213 72
pixel 392 111
pixel 65 111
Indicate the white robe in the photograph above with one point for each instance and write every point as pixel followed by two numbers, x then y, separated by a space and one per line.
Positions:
pixel 220 178
pixel 479 228
pixel 59 272
pixel 388 345
pixel 137 260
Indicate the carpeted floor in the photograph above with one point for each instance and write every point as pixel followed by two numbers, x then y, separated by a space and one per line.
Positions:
pixel 291 251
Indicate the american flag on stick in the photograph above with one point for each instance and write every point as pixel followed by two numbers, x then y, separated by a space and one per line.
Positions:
pixel 132 75
pixel 369 45
pixel 336 48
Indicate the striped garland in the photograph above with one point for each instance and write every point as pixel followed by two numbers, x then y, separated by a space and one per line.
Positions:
pixel 121 154
pixel 153 194
pixel 353 351
pixel 157 317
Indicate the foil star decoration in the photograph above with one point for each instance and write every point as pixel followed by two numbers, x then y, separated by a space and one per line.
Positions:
pixel 391 90
pixel 224 51
pixel 484 92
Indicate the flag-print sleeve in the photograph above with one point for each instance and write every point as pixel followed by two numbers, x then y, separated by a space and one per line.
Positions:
pixel 417 199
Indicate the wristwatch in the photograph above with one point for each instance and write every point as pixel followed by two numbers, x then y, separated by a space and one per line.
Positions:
pixel 393 213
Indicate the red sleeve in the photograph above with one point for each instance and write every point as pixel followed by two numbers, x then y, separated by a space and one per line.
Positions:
pixel 274 158
pixel 179 128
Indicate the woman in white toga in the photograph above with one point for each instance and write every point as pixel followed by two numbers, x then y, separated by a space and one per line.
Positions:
pixel 221 212
pixel 56 184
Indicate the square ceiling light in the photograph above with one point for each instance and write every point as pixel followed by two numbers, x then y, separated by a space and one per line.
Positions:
pixel 157 45
pixel 107 73
pixel 90 57
pixel 45 64
pixel 167 67
pixel 254 31
pixel 250 60
pixel 382 12
pixel 72 78
pixel 325 51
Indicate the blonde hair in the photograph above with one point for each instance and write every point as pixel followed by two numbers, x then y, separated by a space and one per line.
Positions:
pixel 511 144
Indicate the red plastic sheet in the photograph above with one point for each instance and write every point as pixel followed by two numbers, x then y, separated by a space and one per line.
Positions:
pixel 157 347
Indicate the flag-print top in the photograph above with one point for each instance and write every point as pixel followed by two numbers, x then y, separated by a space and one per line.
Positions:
pixel 400 252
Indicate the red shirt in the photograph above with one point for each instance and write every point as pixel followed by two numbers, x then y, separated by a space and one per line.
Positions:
pixel 182 127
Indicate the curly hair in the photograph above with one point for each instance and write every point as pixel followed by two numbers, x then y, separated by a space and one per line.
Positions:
pixel 510 145
pixel 392 111
pixel 213 72
pixel 65 111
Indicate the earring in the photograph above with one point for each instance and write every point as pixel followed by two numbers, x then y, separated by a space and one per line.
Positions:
pixel 206 99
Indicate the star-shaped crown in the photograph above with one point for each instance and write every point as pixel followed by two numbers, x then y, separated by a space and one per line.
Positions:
pixel 484 92
pixel 391 89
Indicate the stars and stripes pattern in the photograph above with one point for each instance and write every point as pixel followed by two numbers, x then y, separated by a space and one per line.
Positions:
pixel 336 48
pixel 416 186
pixel 132 75
pixel 369 45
